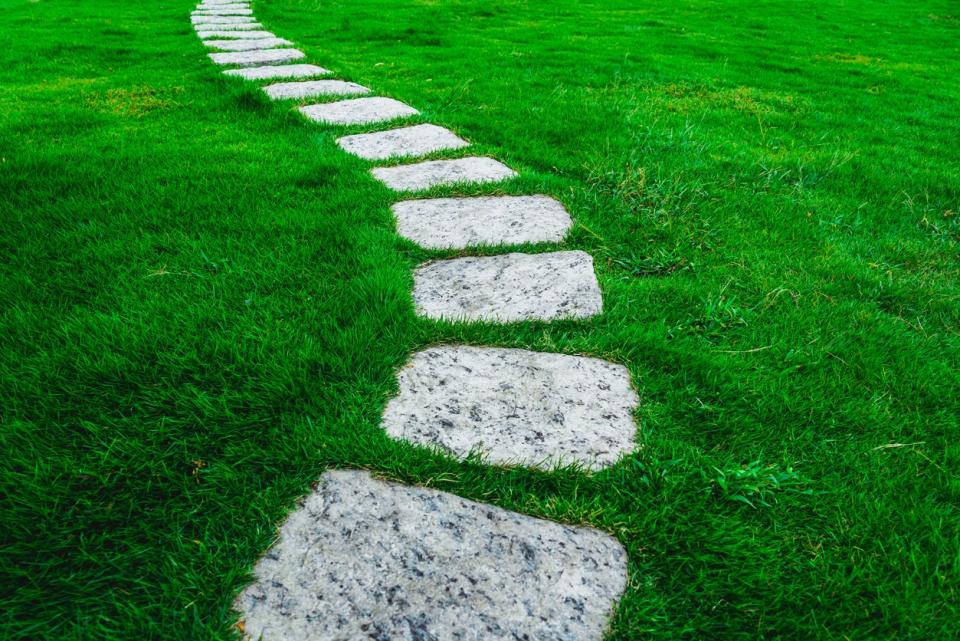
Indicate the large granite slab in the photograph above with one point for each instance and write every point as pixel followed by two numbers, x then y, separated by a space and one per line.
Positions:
pixel 234 33
pixel 436 173
pixel 359 111
pixel 363 559
pixel 457 223
pixel 514 406
pixel 224 12
pixel 312 89
pixel 508 288
pixel 247 44
pixel 272 72
pixel 417 140
pixel 253 58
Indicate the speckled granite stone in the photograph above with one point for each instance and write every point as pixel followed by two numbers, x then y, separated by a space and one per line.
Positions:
pixel 434 173
pixel 247 44
pixel 417 140
pixel 224 12
pixel 456 223
pixel 312 89
pixel 206 35
pixel 272 72
pixel 508 288
pixel 223 20
pixel 366 560
pixel 251 58
pixel 515 406
pixel 358 111
pixel 222 6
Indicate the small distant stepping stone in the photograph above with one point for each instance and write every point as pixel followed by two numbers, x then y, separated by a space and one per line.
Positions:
pixel 313 88
pixel 206 35
pixel 367 559
pixel 251 58
pixel 202 19
pixel 272 72
pixel 407 141
pixel 515 406
pixel 247 45
pixel 457 223
pixel 224 12
pixel 435 173
pixel 359 111
pixel 508 288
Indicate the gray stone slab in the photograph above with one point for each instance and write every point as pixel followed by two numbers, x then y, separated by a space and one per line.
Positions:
pixel 247 44
pixel 220 3
pixel 224 12
pixel 252 58
pixel 404 142
pixel 234 33
pixel 515 407
pixel 358 111
pixel 457 223
pixel 363 559
pixel 222 20
pixel 272 72
pixel 508 288
pixel 208 6
pixel 313 88
pixel 435 173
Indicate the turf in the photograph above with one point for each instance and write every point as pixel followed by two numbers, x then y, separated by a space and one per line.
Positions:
pixel 205 300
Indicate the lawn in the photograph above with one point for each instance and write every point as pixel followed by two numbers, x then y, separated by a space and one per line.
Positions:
pixel 205 300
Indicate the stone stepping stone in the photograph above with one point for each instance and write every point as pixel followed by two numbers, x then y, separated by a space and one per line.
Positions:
pixel 224 12
pixel 312 89
pixel 272 72
pixel 508 288
pixel 435 173
pixel 457 223
pixel 251 58
pixel 239 29
pixel 222 20
pixel 515 406
pixel 247 45
pixel 367 559
pixel 359 111
pixel 406 141
pixel 232 6
pixel 206 35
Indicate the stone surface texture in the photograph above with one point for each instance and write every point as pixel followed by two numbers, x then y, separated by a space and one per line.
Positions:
pixel 404 142
pixel 247 44
pixel 508 288
pixel 272 72
pixel 365 559
pixel 358 111
pixel 235 33
pixel 515 406
pixel 435 173
pixel 313 88
pixel 251 58
pixel 457 223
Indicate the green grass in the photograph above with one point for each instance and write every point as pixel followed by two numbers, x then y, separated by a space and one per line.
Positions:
pixel 205 301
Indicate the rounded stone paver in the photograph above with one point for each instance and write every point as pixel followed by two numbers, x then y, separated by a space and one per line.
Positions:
pixel 363 559
pixel 207 35
pixel 514 406
pixel 312 89
pixel 247 44
pixel 222 20
pixel 436 173
pixel 272 72
pixel 508 288
pixel 417 140
pixel 251 58
pixel 359 111
pixel 458 223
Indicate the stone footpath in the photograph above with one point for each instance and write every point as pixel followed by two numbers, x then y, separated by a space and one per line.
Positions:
pixel 367 559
